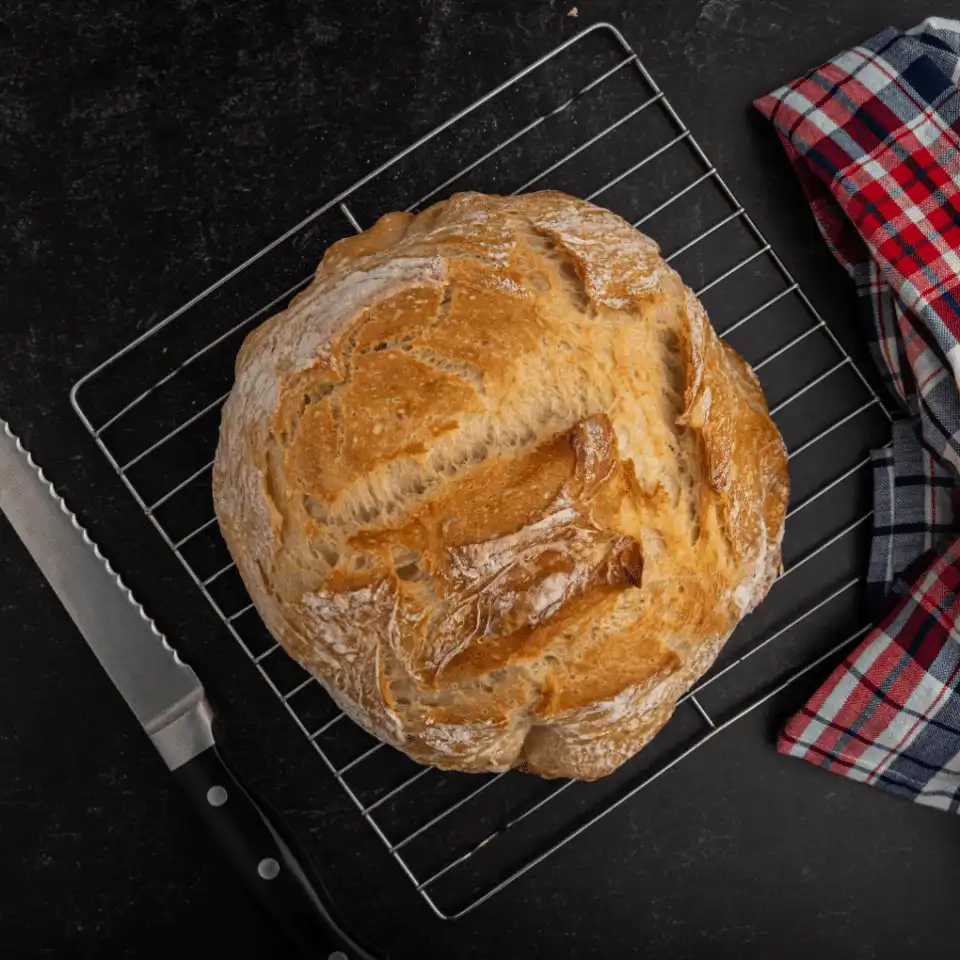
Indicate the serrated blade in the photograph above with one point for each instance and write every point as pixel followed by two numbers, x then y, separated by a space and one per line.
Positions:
pixel 158 687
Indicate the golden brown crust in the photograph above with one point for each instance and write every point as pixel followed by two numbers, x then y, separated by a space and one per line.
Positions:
pixel 496 481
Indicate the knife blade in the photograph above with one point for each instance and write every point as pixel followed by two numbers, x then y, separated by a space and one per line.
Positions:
pixel 158 687
pixel 168 700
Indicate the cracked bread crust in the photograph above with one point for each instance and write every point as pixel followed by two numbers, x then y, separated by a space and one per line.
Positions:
pixel 495 481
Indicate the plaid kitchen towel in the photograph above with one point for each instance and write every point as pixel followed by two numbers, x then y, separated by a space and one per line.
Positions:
pixel 874 137
pixel 890 714
pixel 913 509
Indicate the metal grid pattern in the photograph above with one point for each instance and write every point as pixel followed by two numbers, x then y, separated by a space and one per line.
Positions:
pixel 133 405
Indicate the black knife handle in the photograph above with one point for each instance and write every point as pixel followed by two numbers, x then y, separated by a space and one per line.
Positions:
pixel 264 856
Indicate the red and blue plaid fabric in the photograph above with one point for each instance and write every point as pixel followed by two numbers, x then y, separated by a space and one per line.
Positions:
pixel 874 137
pixel 890 714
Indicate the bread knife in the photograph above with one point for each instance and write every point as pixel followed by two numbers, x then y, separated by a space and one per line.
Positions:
pixel 167 698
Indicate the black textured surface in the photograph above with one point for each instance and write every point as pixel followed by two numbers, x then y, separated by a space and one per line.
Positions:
pixel 146 151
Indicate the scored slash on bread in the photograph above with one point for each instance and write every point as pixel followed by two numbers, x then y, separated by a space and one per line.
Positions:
pixel 495 480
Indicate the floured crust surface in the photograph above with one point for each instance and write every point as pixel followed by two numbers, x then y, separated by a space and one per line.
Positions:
pixel 494 479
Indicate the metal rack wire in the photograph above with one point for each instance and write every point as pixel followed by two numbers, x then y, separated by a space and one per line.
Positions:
pixel 153 407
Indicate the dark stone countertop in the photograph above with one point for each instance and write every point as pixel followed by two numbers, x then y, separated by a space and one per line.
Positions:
pixel 146 149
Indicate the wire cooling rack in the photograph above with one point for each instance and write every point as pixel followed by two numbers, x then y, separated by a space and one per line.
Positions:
pixel 589 119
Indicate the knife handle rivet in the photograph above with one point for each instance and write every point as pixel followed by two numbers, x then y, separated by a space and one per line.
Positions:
pixel 216 796
pixel 268 868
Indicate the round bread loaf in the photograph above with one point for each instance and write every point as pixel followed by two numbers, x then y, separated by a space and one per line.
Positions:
pixel 493 478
